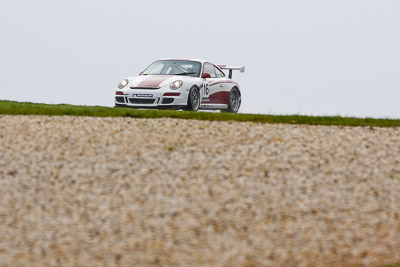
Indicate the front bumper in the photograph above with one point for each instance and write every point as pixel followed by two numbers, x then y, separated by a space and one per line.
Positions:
pixel 159 98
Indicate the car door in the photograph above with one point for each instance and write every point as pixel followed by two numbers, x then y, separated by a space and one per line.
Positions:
pixel 209 83
pixel 219 87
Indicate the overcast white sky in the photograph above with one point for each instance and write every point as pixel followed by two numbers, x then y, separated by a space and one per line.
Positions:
pixel 302 57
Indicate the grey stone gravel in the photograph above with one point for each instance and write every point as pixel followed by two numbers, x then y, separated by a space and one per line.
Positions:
pixel 86 191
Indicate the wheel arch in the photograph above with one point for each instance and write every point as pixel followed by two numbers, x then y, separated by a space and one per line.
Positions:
pixel 236 87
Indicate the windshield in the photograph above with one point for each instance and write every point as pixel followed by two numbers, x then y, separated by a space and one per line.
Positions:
pixel 174 67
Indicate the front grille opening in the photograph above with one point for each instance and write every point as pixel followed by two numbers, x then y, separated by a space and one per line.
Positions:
pixel 142 101
pixel 120 99
pixel 167 100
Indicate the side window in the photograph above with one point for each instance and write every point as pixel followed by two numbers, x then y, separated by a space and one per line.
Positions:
pixel 210 69
pixel 219 73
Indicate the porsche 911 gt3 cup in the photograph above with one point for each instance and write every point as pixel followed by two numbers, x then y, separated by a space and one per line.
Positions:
pixel 189 84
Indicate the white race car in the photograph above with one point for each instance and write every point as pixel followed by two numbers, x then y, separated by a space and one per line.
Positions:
pixel 189 84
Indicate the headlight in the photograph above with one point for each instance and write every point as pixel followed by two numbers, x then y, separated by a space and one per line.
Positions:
pixel 123 84
pixel 176 85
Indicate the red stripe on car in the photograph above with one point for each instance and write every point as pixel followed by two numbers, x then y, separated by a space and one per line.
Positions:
pixel 224 82
pixel 219 98
pixel 153 81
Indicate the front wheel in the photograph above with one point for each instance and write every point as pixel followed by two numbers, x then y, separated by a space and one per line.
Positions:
pixel 234 101
pixel 193 99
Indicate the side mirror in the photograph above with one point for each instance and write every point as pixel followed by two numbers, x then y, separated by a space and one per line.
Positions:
pixel 141 73
pixel 205 75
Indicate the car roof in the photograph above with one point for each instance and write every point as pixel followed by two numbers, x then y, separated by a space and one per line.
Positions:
pixel 187 59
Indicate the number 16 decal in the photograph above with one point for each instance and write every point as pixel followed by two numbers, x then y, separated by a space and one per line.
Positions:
pixel 206 90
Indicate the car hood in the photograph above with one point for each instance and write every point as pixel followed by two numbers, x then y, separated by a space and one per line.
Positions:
pixel 153 81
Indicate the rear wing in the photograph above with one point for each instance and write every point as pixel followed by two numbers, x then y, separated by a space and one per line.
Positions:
pixel 231 69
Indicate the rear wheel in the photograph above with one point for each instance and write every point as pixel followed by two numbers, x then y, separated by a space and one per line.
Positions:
pixel 234 101
pixel 193 99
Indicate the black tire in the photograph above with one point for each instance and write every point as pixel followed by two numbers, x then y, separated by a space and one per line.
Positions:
pixel 193 103
pixel 234 101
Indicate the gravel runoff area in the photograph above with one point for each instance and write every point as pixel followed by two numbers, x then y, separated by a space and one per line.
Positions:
pixel 87 191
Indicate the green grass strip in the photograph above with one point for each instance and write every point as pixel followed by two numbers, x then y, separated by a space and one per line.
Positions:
pixel 26 108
